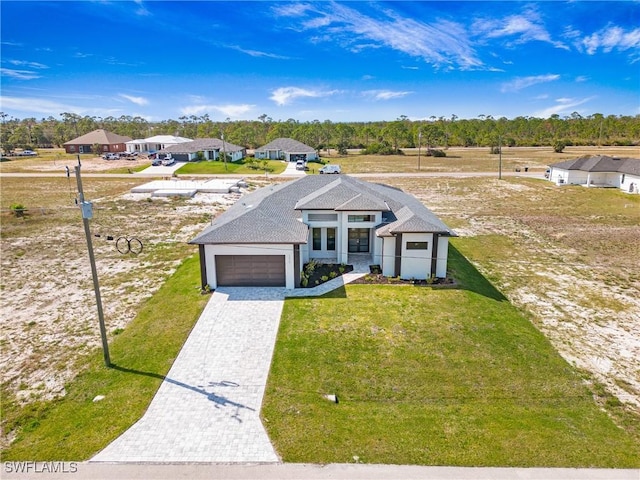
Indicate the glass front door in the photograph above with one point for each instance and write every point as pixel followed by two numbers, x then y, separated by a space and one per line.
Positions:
pixel 358 240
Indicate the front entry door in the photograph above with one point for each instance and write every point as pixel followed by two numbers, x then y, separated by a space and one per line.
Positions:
pixel 358 240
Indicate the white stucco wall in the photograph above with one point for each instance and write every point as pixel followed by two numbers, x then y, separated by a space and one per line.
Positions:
pixel 630 183
pixel 416 263
pixel 388 256
pixel 271 249
pixel 443 254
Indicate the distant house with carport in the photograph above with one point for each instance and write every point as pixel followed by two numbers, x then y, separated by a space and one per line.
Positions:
pixel 155 143
pixel 109 142
pixel 286 149
pixel 211 148
pixel 598 171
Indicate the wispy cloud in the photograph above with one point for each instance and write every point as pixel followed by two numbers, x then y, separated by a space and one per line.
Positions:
pixel 563 105
pixel 258 53
pixel 519 83
pixel 137 100
pixel 230 110
pixel 37 105
pixel 385 94
pixel 23 63
pixel 441 43
pixel 19 74
pixel 522 28
pixel 142 10
pixel 286 95
pixel 610 38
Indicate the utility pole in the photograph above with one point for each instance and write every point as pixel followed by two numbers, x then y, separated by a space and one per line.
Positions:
pixel 224 150
pixel 500 157
pixel 419 145
pixel 87 213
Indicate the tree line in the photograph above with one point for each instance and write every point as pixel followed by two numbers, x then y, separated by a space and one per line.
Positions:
pixel 376 136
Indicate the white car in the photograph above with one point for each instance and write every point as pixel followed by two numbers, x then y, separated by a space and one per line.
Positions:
pixel 330 169
pixel 168 161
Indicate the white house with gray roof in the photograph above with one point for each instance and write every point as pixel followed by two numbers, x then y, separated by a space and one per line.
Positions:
pixel 598 171
pixel 286 149
pixel 266 237
pixel 155 143
pixel 211 148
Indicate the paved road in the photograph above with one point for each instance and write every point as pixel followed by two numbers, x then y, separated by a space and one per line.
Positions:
pixel 123 471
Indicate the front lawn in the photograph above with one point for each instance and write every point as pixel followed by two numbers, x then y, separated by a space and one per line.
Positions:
pixel 243 167
pixel 433 377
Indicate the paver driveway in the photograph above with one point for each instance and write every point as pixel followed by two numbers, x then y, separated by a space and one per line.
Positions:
pixel 207 409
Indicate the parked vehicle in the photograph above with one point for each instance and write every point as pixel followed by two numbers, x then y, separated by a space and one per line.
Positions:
pixel 156 162
pixel 168 161
pixel 330 169
pixel 27 153
pixel 111 156
pixel 301 165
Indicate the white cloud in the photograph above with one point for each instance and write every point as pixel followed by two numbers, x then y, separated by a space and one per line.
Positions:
pixel 524 82
pixel 385 94
pixel 23 63
pixel 232 111
pixel 286 95
pixel 609 38
pixel 581 78
pixel 36 105
pixel 441 43
pixel 19 74
pixel 524 28
pixel 258 53
pixel 563 105
pixel 137 100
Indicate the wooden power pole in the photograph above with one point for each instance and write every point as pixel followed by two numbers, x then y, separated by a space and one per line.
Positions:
pixel 87 212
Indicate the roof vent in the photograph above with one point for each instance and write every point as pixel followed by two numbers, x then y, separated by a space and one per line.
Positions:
pixel 615 158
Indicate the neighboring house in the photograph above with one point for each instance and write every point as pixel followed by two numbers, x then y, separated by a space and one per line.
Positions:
pixel 286 149
pixel 211 148
pixel 598 171
pixel 109 142
pixel 266 237
pixel 155 143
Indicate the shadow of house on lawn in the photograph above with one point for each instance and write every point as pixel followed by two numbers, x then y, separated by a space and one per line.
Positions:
pixel 469 278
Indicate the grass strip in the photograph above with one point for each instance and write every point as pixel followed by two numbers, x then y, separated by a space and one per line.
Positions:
pixel 431 376
pixel 75 427
pixel 237 168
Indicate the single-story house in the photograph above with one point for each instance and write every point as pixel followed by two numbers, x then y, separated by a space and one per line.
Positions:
pixel 109 142
pixel 155 143
pixel 266 237
pixel 211 148
pixel 598 171
pixel 286 149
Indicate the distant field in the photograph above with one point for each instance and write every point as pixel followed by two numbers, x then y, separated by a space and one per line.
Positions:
pixel 457 160
pixel 470 159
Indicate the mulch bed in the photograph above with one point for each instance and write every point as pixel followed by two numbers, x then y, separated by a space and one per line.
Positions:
pixel 324 270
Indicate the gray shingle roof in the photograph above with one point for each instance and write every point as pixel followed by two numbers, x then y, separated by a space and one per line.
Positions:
pixel 288 145
pixel 100 136
pixel 601 163
pixel 201 144
pixel 272 214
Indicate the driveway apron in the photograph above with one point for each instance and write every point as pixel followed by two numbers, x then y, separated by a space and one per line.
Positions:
pixel 207 408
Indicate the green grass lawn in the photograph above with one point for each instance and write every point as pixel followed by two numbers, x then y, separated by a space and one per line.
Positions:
pixel 74 427
pixel 434 377
pixel 240 167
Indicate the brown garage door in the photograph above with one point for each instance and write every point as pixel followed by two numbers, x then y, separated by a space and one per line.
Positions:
pixel 250 270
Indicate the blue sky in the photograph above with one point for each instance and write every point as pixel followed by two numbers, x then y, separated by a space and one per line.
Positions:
pixel 338 61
